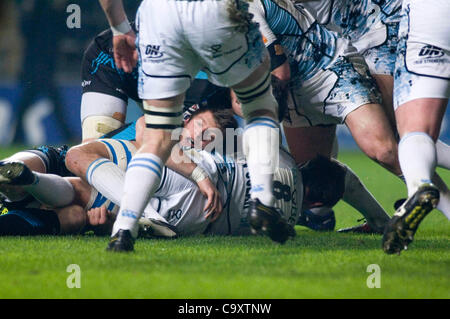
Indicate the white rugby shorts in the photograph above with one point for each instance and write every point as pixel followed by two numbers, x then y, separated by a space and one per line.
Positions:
pixel 176 39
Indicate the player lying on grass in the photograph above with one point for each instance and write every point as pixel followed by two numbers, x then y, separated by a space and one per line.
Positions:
pixel 178 202
pixel 341 92
pixel 356 194
pixel 109 181
pixel 106 90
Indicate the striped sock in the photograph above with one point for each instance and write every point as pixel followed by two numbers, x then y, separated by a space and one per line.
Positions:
pixel 142 178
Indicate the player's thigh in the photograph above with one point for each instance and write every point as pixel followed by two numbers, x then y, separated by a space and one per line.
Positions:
pixel 370 128
pixel 422 67
pixel 305 143
pixel 167 62
pixel 228 42
pixel 381 58
pixel 386 86
pixel 331 94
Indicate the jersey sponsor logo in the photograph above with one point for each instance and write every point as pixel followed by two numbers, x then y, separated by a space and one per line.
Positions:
pixel 430 55
pixel 153 51
pixel 106 60
pixel 216 51
pixel 431 51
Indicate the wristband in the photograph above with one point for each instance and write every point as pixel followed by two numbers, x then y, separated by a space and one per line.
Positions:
pixel 198 174
pixel 122 28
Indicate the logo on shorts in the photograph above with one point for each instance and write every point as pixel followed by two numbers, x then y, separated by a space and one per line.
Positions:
pixel 430 51
pixel 153 51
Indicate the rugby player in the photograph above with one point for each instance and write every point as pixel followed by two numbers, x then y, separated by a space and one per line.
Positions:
pixel 106 89
pixel 372 27
pixel 175 40
pixel 321 70
pixel 176 207
pixel 421 92
pixel 343 94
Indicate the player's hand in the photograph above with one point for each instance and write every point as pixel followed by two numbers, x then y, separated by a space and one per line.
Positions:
pixel 125 53
pixel 99 216
pixel 213 207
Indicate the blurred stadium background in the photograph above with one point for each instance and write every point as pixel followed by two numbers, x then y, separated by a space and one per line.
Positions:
pixel 40 65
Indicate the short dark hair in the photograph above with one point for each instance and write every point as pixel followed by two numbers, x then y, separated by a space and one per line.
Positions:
pixel 324 180
pixel 224 119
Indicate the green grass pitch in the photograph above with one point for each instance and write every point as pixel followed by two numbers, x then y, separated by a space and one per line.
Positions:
pixel 313 265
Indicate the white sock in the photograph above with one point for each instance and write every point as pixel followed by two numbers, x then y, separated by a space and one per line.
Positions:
pixel 360 198
pixel 109 179
pixel 417 157
pixel 51 190
pixel 141 181
pixel 443 154
pixel 261 147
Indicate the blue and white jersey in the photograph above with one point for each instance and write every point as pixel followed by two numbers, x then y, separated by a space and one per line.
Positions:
pixel 357 19
pixel 309 46
pixel 179 201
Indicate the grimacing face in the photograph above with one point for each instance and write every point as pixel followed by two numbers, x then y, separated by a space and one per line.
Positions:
pixel 197 133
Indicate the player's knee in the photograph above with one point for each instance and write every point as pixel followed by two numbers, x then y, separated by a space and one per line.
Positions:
pixel 74 157
pixel 257 99
pixel 140 128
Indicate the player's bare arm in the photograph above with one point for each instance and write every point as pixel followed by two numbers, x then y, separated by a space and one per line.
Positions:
pixel 125 54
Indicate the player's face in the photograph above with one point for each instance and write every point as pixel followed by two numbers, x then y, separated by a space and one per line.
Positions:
pixel 198 131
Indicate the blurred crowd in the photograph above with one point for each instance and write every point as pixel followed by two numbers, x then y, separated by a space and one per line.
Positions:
pixel 38 27
pixel 39 51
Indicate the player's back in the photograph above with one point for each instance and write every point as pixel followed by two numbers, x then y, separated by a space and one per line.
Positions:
pixel 310 46
pixel 360 20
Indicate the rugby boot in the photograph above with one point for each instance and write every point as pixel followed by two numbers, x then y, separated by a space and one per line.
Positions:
pixel 149 227
pixel 400 230
pixel 269 221
pixel 122 241
pixel 15 173
pixel 316 222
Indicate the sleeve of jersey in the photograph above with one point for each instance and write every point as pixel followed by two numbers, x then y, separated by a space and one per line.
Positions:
pixel 277 56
